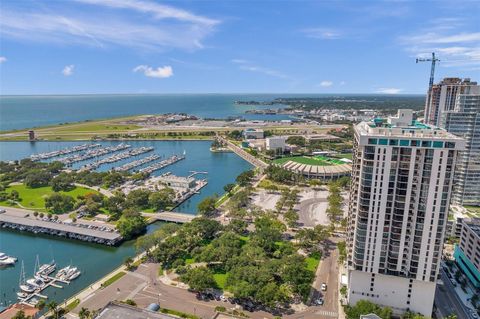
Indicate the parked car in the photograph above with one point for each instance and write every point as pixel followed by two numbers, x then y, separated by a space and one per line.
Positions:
pixel 319 302
pixel 324 287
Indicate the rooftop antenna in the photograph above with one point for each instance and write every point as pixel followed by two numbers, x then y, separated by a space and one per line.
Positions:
pixel 434 60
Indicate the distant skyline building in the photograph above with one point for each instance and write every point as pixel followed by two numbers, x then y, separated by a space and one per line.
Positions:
pixel 464 121
pixel 402 178
pixel 442 97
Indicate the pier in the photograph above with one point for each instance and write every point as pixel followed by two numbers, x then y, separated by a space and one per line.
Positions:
pixel 69 160
pixel 137 163
pixel 65 151
pixel 243 154
pixel 172 217
pixel 116 158
pixel 156 166
pixel 24 220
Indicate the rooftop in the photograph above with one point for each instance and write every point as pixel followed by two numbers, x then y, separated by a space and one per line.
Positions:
pixel 122 311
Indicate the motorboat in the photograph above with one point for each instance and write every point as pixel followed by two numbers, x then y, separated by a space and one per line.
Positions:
pixel 47 269
pixel 36 282
pixel 27 288
pixel 68 273
pixel 6 260
pixel 22 295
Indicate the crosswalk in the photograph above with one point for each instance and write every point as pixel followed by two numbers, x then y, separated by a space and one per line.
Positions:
pixel 325 313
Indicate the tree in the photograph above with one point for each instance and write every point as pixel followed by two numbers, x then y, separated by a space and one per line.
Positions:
pixel 199 279
pixel 131 224
pixel 161 199
pixel 62 182
pixel 296 140
pixel 138 198
pixel 229 188
pixel 128 263
pixel 84 313
pixel 21 315
pixel 291 218
pixel 37 178
pixel 364 307
pixel 235 134
pixel 245 178
pixel 130 302
pixel 59 203
pixel 52 307
pixel 207 206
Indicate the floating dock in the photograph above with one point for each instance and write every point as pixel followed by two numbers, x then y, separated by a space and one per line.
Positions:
pixel 69 160
pixel 24 220
pixel 137 163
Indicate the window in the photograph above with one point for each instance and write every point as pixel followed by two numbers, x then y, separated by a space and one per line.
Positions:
pixel 372 141
pixel 449 144
pixel 383 141
pixel 437 144
pixel 404 142
pixel 426 143
pixel 393 142
pixel 414 143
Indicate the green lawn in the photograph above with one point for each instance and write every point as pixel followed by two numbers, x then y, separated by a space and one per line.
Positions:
pixel 34 198
pixel 114 278
pixel 220 279
pixel 310 160
pixel 312 263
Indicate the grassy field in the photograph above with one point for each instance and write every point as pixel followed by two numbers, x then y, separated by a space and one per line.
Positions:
pixel 312 262
pixel 34 198
pixel 112 279
pixel 310 160
pixel 220 279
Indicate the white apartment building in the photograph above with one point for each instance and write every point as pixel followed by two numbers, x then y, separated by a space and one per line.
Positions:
pixel 402 178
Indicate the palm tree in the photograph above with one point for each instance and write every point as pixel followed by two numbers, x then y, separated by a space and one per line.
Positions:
pixel 52 306
pixel 41 304
pixel 84 313
pixel 128 263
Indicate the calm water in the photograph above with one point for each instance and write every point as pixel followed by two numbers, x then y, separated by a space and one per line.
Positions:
pixel 18 112
pixel 95 260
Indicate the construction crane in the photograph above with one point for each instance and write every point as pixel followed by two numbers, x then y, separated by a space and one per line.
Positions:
pixel 432 71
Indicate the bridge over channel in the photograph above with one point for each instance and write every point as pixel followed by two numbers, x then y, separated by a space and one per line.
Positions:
pixel 172 217
pixel 243 154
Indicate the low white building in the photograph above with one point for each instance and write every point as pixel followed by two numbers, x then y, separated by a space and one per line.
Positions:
pixel 275 143
pixel 253 133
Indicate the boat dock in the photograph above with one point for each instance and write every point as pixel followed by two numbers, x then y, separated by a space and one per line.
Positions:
pixel 117 157
pixel 137 163
pixel 156 166
pixel 65 151
pixel 23 220
pixel 69 160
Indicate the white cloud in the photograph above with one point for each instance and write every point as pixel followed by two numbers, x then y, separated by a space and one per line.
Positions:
pixel 323 33
pixel 326 84
pixel 448 39
pixel 343 82
pixel 249 66
pixel 160 72
pixel 68 70
pixel 3 59
pixel 132 23
pixel 388 90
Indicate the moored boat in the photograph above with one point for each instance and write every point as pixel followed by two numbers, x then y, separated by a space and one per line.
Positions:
pixel 6 260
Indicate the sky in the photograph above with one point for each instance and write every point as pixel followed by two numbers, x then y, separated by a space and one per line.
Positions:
pixel 210 46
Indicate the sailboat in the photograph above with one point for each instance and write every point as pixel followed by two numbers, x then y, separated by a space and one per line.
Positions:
pixel 24 286
pixel 36 281
pixel 46 269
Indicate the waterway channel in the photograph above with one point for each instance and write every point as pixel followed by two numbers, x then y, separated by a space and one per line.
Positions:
pixel 93 260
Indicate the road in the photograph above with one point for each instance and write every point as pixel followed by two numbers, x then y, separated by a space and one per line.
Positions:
pixel 447 301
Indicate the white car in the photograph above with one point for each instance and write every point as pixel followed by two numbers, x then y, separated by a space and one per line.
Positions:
pixel 324 287
pixel 319 302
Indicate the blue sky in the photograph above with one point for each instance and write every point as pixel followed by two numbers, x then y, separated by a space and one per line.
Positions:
pixel 147 46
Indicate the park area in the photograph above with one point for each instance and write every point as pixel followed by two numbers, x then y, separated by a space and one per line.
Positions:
pixel 34 198
pixel 310 160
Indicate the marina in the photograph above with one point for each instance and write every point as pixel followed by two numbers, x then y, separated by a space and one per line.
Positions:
pixel 69 160
pixel 137 163
pixel 65 151
pixel 116 158
pixel 96 260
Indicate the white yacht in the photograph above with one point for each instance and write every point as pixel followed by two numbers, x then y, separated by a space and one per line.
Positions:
pixel 6 260
pixel 36 282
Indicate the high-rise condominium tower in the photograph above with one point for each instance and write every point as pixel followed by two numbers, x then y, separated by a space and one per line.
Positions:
pixel 443 95
pixel 464 121
pixel 401 183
